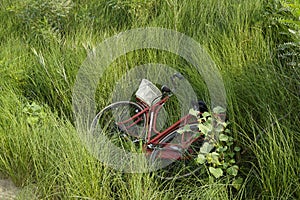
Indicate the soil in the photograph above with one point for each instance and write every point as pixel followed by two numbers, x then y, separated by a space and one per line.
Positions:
pixel 8 190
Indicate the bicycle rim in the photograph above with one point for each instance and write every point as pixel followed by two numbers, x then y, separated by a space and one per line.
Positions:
pixel 111 122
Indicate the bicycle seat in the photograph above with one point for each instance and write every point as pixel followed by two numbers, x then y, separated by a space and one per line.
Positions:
pixel 165 89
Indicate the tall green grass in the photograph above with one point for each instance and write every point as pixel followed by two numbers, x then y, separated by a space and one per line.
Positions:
pixel 48 157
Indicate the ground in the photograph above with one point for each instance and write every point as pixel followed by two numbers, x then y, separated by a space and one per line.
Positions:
pixel 7 189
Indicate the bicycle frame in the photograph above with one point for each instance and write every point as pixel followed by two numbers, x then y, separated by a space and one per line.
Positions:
pixel 152 135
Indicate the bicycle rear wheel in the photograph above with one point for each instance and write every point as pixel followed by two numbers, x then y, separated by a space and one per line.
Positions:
pixel 175 155
pixel 122 123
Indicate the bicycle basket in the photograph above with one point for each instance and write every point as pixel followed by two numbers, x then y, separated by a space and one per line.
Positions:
pixel 148 92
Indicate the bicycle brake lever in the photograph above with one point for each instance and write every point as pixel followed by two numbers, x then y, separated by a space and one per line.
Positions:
pixel 179 75
pixel 176 75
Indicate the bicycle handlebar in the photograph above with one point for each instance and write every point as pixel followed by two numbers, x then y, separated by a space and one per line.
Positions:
pixel 166 89
pixel 176 75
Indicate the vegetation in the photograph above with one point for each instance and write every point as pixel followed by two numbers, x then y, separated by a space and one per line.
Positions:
pixel 255 44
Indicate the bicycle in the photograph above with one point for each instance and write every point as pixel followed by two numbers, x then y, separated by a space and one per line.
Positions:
pixel 130 124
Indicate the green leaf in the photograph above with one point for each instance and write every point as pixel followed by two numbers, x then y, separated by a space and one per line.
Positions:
pixel 184 129
pixel 25 110
pixel 35 107
pixel 43 115
pixel 211 179
pixel 224 124
pixel 187 128
pixel 231 155
pixel 227 131
pixel 229 143
pixel 194 112
pixel 180 131
pixel 237 183
pixel 209 158
pixel 233 170
pixel 232 161
pixel 222 149
pixel 32 120
pixel 208 121
pixel 204 129
pixel 219 128
pixel 223 137
pixel 237 149
pixel 201 159
pixel 205 114
pixel 215 158
pixel 216 172
pixel 225 165
pixel 215 154
pixel 219 110
pixel 206 148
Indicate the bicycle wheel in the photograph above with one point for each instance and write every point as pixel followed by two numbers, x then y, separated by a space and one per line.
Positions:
pixel 122 123
pixel 174 157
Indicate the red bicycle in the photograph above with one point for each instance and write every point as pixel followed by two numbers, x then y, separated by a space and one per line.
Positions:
pixel 131 124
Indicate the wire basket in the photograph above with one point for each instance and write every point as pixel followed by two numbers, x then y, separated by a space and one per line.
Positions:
pixel 148 92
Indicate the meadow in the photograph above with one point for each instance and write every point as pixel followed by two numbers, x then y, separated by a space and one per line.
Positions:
pixel 255 45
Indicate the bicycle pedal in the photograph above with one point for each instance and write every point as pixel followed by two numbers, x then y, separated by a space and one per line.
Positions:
pixel 175 148
pixel 136 140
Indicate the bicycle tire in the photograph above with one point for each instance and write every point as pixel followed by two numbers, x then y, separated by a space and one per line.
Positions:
pixel 108 122
pixel 183 163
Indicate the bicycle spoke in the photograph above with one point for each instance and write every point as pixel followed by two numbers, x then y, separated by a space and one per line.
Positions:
pixel 118 124
pixel 175 156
